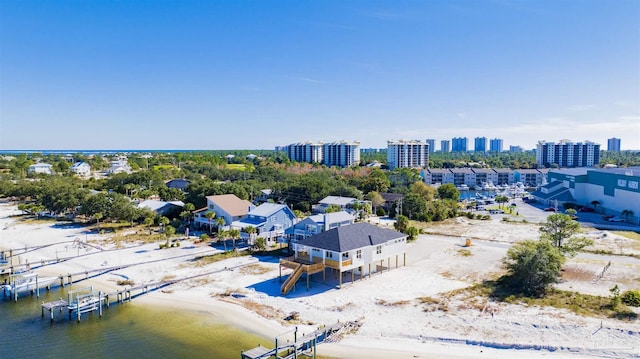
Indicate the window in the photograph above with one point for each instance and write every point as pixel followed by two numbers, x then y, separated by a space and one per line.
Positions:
pixel 378 249
pixel 328 254
pixel 345 255
pixel 359 254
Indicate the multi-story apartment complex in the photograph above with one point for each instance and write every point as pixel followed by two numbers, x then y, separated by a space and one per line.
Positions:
pixel 480 144
pixel 432 144
pixel 445 146
pixel 407 153
pixel 305 152
pixel 517 149
pixel 495 145
pixel 341 153
pixel 459 144
pixel 567 154
pixel 613 144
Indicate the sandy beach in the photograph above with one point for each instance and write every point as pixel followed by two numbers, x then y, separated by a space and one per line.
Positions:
pixel 408 312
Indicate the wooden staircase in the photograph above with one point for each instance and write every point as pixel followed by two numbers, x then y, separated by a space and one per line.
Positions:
pixel 291 281
pixel 298 269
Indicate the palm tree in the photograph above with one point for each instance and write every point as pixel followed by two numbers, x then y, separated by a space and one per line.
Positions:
pixel 220 222
pixel 250 230
pixel 595 204
pixel 163 222
pixel 627 213
pixel 210 216
pixel 222 236
pixel 234 234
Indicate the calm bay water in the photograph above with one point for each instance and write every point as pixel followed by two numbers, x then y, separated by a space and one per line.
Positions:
pixel 125 330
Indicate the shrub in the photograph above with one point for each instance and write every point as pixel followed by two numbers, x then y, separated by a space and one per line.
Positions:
pixel 380 212
pixel 631 297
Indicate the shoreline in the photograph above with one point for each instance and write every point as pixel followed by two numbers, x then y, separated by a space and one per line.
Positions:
pixel 397 324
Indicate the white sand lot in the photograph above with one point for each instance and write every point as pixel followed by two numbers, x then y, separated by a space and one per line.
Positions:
pixel 397 324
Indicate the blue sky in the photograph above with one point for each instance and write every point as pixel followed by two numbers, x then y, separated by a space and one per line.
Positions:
pixel 257 74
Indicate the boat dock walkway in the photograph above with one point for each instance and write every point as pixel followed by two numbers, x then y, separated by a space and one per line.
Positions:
pixel 123 295
pixel 305 345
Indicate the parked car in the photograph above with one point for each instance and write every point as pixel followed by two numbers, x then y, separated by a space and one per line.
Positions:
pixel 550 209
pixel 496 211
pixel 615 219
pixel 586 209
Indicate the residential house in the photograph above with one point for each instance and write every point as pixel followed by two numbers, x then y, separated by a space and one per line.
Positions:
pixel 319 223
pixel 179 183
pixel 360 248
pixel 264 195
pixel 170 209
pixel 270 221
pixel 81 169
pixel 391 199
pixel 227 206
pixel 43 168
pixel 343 202
pixel 119 165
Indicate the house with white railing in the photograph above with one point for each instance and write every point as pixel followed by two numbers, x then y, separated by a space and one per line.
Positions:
pixel 359 249
pixel 319 223
pixel 270 221
pixel 226 206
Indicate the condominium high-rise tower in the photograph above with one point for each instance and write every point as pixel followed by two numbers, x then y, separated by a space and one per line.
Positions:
pixel 568 154
pixel 407 153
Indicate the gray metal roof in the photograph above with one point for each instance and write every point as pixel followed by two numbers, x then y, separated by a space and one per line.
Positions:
pixel 347 238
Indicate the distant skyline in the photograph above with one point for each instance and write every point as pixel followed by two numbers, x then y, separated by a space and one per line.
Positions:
pixel 208 75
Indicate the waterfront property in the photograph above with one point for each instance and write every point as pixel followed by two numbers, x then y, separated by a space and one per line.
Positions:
pixel 270 221
pixel 226 206
pixel 319 223
pixel 360 248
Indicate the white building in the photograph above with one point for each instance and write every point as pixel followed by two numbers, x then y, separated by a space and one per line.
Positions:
pixel 119 165
pixel 43 168
pixel 308 151
pixel 407 153
pixel 341 153
pixel 81 169
pixel 567 154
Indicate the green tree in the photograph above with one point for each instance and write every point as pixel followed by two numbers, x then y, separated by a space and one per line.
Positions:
pixel 332 208
pixel 532 267
pixel 501 199
pixel 412 233
pixel 220 222
pixel 376 200
pixel 234 234
pixel 448 191
pixel 428 193
pixel 561 231
pixel 402 222
pixel 210 216
pixel 260 244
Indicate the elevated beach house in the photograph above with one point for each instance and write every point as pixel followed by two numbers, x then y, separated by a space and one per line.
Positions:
pixel 270 221
pixel 226 206
pixel 360 249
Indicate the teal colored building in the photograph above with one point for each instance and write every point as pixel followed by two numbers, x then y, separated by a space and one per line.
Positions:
pixel 616 190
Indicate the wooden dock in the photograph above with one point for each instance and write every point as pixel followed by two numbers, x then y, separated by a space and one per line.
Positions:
pixel 305 345
pixel 121 296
